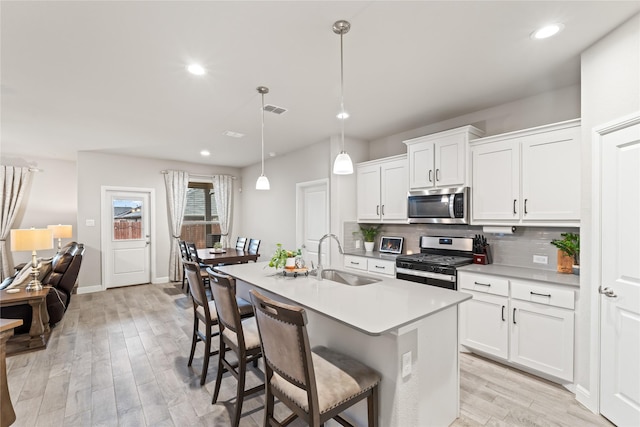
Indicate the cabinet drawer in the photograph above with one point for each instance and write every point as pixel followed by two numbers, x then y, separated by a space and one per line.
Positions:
pixel 541 294
pixel 381 266
pixel 483 283
pixel 356 262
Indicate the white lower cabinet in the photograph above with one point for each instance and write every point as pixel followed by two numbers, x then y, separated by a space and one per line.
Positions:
pixel 525 323
pixel 372 265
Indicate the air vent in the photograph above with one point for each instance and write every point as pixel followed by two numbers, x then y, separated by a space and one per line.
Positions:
pixel 274 109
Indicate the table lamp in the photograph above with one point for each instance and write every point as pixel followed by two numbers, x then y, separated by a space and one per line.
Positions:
pixel 61 232
pixel 32 239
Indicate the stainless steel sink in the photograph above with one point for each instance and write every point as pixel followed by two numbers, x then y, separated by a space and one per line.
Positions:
pixel 347 278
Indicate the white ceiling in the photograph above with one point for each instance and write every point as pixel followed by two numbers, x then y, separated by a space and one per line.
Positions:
pixel 110 76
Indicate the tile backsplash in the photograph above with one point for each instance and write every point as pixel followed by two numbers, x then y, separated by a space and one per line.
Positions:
pixel 515 249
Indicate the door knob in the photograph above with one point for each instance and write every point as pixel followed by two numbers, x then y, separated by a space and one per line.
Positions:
pixel 608 292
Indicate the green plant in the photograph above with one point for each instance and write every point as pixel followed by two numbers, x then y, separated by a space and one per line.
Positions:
pixel 279 258
pixel 217 245
pixel 369 232
pixel 570 245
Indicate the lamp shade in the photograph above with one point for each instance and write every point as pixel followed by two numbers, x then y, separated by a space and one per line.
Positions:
pixel 343 164
pixel 262 183
pixel 61 231
pixel 32 239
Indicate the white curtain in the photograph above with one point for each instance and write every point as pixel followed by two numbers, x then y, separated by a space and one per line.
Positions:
pixel 223 194
pixel 13 183
pixel 177 183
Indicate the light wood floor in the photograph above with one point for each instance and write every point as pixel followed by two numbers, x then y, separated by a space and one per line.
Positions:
pixel 120 358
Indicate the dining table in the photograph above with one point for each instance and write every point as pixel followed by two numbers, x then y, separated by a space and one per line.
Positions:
pixel 226 256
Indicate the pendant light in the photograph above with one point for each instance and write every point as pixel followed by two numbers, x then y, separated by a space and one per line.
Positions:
pixel 263 182
pixel 343 164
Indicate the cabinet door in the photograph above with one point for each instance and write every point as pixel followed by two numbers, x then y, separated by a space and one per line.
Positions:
pixel 496 181
pixel 368 193
pixel 551 175
pixel 421 166
pixel 394 190
pixel 450 155
pixel 484 324
pixel 542 338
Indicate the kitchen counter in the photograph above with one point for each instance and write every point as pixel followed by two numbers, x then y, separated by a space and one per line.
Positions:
pixel 524 273
pixel 388 325
pixel 359 307
pixel 372 254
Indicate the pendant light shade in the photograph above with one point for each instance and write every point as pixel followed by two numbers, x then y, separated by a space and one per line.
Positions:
pixel 342 164
pixel 263 182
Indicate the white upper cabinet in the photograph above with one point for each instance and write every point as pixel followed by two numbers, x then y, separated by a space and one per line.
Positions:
pixel 440 160
pixel 382 190
pixel 529 177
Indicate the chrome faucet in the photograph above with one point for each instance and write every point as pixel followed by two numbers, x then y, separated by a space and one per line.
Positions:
pixel 319 268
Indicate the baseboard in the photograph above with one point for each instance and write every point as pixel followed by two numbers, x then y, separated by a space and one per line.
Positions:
pixel 158 280
pixel 584 397
pixel 89 289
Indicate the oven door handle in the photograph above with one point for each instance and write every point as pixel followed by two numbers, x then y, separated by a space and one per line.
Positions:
pixel 427 274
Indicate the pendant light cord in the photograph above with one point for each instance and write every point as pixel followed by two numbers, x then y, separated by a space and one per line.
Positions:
pixel 342 113
pixel 262 174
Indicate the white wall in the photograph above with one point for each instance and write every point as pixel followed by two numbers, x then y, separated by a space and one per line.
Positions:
pixel 96 170
pixel 51 197
pixel 610 89
pixel 549 107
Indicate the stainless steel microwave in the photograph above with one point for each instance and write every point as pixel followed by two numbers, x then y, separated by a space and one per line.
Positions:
pixel 441 206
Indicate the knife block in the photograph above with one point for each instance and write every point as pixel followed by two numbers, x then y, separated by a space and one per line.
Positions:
pixel 484 258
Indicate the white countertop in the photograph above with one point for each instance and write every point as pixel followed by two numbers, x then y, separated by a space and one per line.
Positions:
pixel 373 254
pixel 524 273
pixel 373 309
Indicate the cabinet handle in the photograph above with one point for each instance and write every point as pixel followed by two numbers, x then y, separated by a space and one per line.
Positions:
pixel 382 210
pixel 525 206
pixel 430 172
pixel 380 266
pixel 503 307
pixel 542 295
pixel 437 174
pixel 482 284
pixel 354 263
pixel 514 316
pixel 377 209
pixel 514 206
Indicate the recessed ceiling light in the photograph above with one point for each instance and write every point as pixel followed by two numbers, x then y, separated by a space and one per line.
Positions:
pixel 205 153
pixel 272 153
pixel 342 115
pixel 547 31
pixel 196 69
pixel 233 134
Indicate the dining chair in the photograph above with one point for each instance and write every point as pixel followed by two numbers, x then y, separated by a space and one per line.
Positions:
pixel 254 245
pixel 238 337
pixel 241 243
pixel 193 256
pixel 184 253
pixel 316 384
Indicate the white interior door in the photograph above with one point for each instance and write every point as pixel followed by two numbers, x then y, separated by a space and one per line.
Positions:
pixel 620 275
pixel 126 237
pixel 312 199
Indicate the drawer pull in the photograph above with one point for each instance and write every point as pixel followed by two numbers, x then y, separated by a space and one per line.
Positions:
pixel 354 263
pixel 503 307
pixel 380 266
pixel 541 295
pixel 482 284
pixel 514 316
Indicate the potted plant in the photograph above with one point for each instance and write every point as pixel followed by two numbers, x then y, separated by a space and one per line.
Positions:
pixel 284 258
pixel 568 253
pixel 369 233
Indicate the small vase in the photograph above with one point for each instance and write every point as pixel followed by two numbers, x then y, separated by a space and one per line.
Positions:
pixel 565 263
pixel 290 264
pixel 368 246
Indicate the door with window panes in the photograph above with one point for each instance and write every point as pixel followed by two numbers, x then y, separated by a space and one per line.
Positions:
pixel 200 224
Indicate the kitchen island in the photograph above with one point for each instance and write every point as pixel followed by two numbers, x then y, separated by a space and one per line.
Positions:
pixel 378 324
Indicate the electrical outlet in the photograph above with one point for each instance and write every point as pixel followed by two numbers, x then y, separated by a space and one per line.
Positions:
pixel 540 259
pixel 406 364
pixel 358 244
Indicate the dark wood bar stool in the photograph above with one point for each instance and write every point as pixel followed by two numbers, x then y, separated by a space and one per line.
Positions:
pixel 237 335
pixel 317 385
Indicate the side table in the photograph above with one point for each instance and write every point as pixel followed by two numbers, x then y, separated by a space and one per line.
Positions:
pixel 39 315
pixel 7 414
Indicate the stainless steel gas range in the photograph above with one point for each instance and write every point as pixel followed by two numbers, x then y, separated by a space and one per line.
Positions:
pixel 437 261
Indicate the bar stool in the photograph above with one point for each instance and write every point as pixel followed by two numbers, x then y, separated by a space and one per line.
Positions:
pixel 239 336
pixel 317 385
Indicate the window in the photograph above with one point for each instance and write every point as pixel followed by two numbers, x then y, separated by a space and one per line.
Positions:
pixel 200 214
